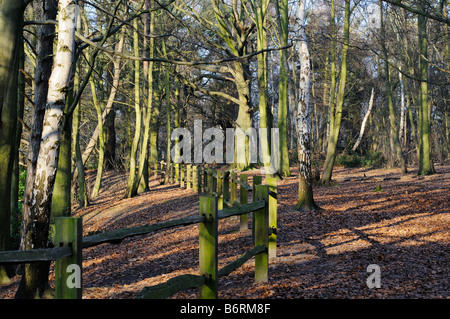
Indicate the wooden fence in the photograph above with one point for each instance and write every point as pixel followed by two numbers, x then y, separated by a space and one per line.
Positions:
pixel 218 200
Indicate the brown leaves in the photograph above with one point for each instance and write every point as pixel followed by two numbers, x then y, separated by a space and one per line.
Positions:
pixel 404 229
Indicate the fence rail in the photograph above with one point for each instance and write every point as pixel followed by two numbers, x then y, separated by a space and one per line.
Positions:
pixel 116 236
pixel 220 202
pixel 34 255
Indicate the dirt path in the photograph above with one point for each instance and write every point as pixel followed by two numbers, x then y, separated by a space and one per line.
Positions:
pixel 400 223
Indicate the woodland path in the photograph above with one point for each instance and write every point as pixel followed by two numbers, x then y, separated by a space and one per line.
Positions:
pixel 403 226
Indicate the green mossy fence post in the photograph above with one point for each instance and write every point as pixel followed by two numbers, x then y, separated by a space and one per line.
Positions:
pixel 261 221
pixel 272 183
pixel 257 180
pixel 177 173
pixel 182 175
pixel 188 176
pixel 171 173
pixel 243 199
pixel 208 246
pixel 219 190
pixel 68 281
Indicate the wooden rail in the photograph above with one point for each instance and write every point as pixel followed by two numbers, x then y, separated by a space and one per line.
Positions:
pixel 219 201
pixel 116 236
pixel 207 282
pixel 66 254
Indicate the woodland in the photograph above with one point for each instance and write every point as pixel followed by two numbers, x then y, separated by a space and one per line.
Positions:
pixel 92 91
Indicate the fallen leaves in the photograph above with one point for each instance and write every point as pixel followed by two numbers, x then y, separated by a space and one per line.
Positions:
pixel 404 228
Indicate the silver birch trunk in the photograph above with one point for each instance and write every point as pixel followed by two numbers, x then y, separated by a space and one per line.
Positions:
pixel 303 120
pixel 36 233
pixel 401 134
pixel 54 111
pixel 364 122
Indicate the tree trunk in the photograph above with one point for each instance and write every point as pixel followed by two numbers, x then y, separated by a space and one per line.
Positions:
pixel 143 160
pixel 332 105
pixel 83 197
pixel 101 136
pixel 283 29
pixel 11 20
pixel 425 163
pixel 402 130
pixel 101 118
pixel 265 114
pixel 243 120
pixel 363 124
pixel 335 120
pixel 36 275
pixel 394 136
pixel 36 236
pixel 61 197
pixel 110 141
pixel 15 228
pixel 303 121
pixel 168 125
pixel 131 191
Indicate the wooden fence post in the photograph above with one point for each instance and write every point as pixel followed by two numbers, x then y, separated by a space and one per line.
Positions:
pixel 177 173
pixel 243 199
pixel 261 221
pixel 68 279
pixel 219 189
pixel 208 246
pixel 226 189
pixel 233 187
pixel 188 176
pixel 182 175
pixel 272 183
pixel 257 180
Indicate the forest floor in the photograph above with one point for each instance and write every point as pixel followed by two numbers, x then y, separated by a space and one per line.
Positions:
pixel 369 216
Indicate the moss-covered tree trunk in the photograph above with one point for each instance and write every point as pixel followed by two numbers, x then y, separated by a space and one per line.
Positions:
pixel 101 136
pixel 83 197
pixel 425 163
pixel 283 29
pixel 61 198
pixel 131 190
pixel 265 115
pixel 143 175
pixel 15 183
pixel 11 20
pixel 394 136
pixel 332 104
pixel 168 125
pixel 244 120
pixel 336 114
